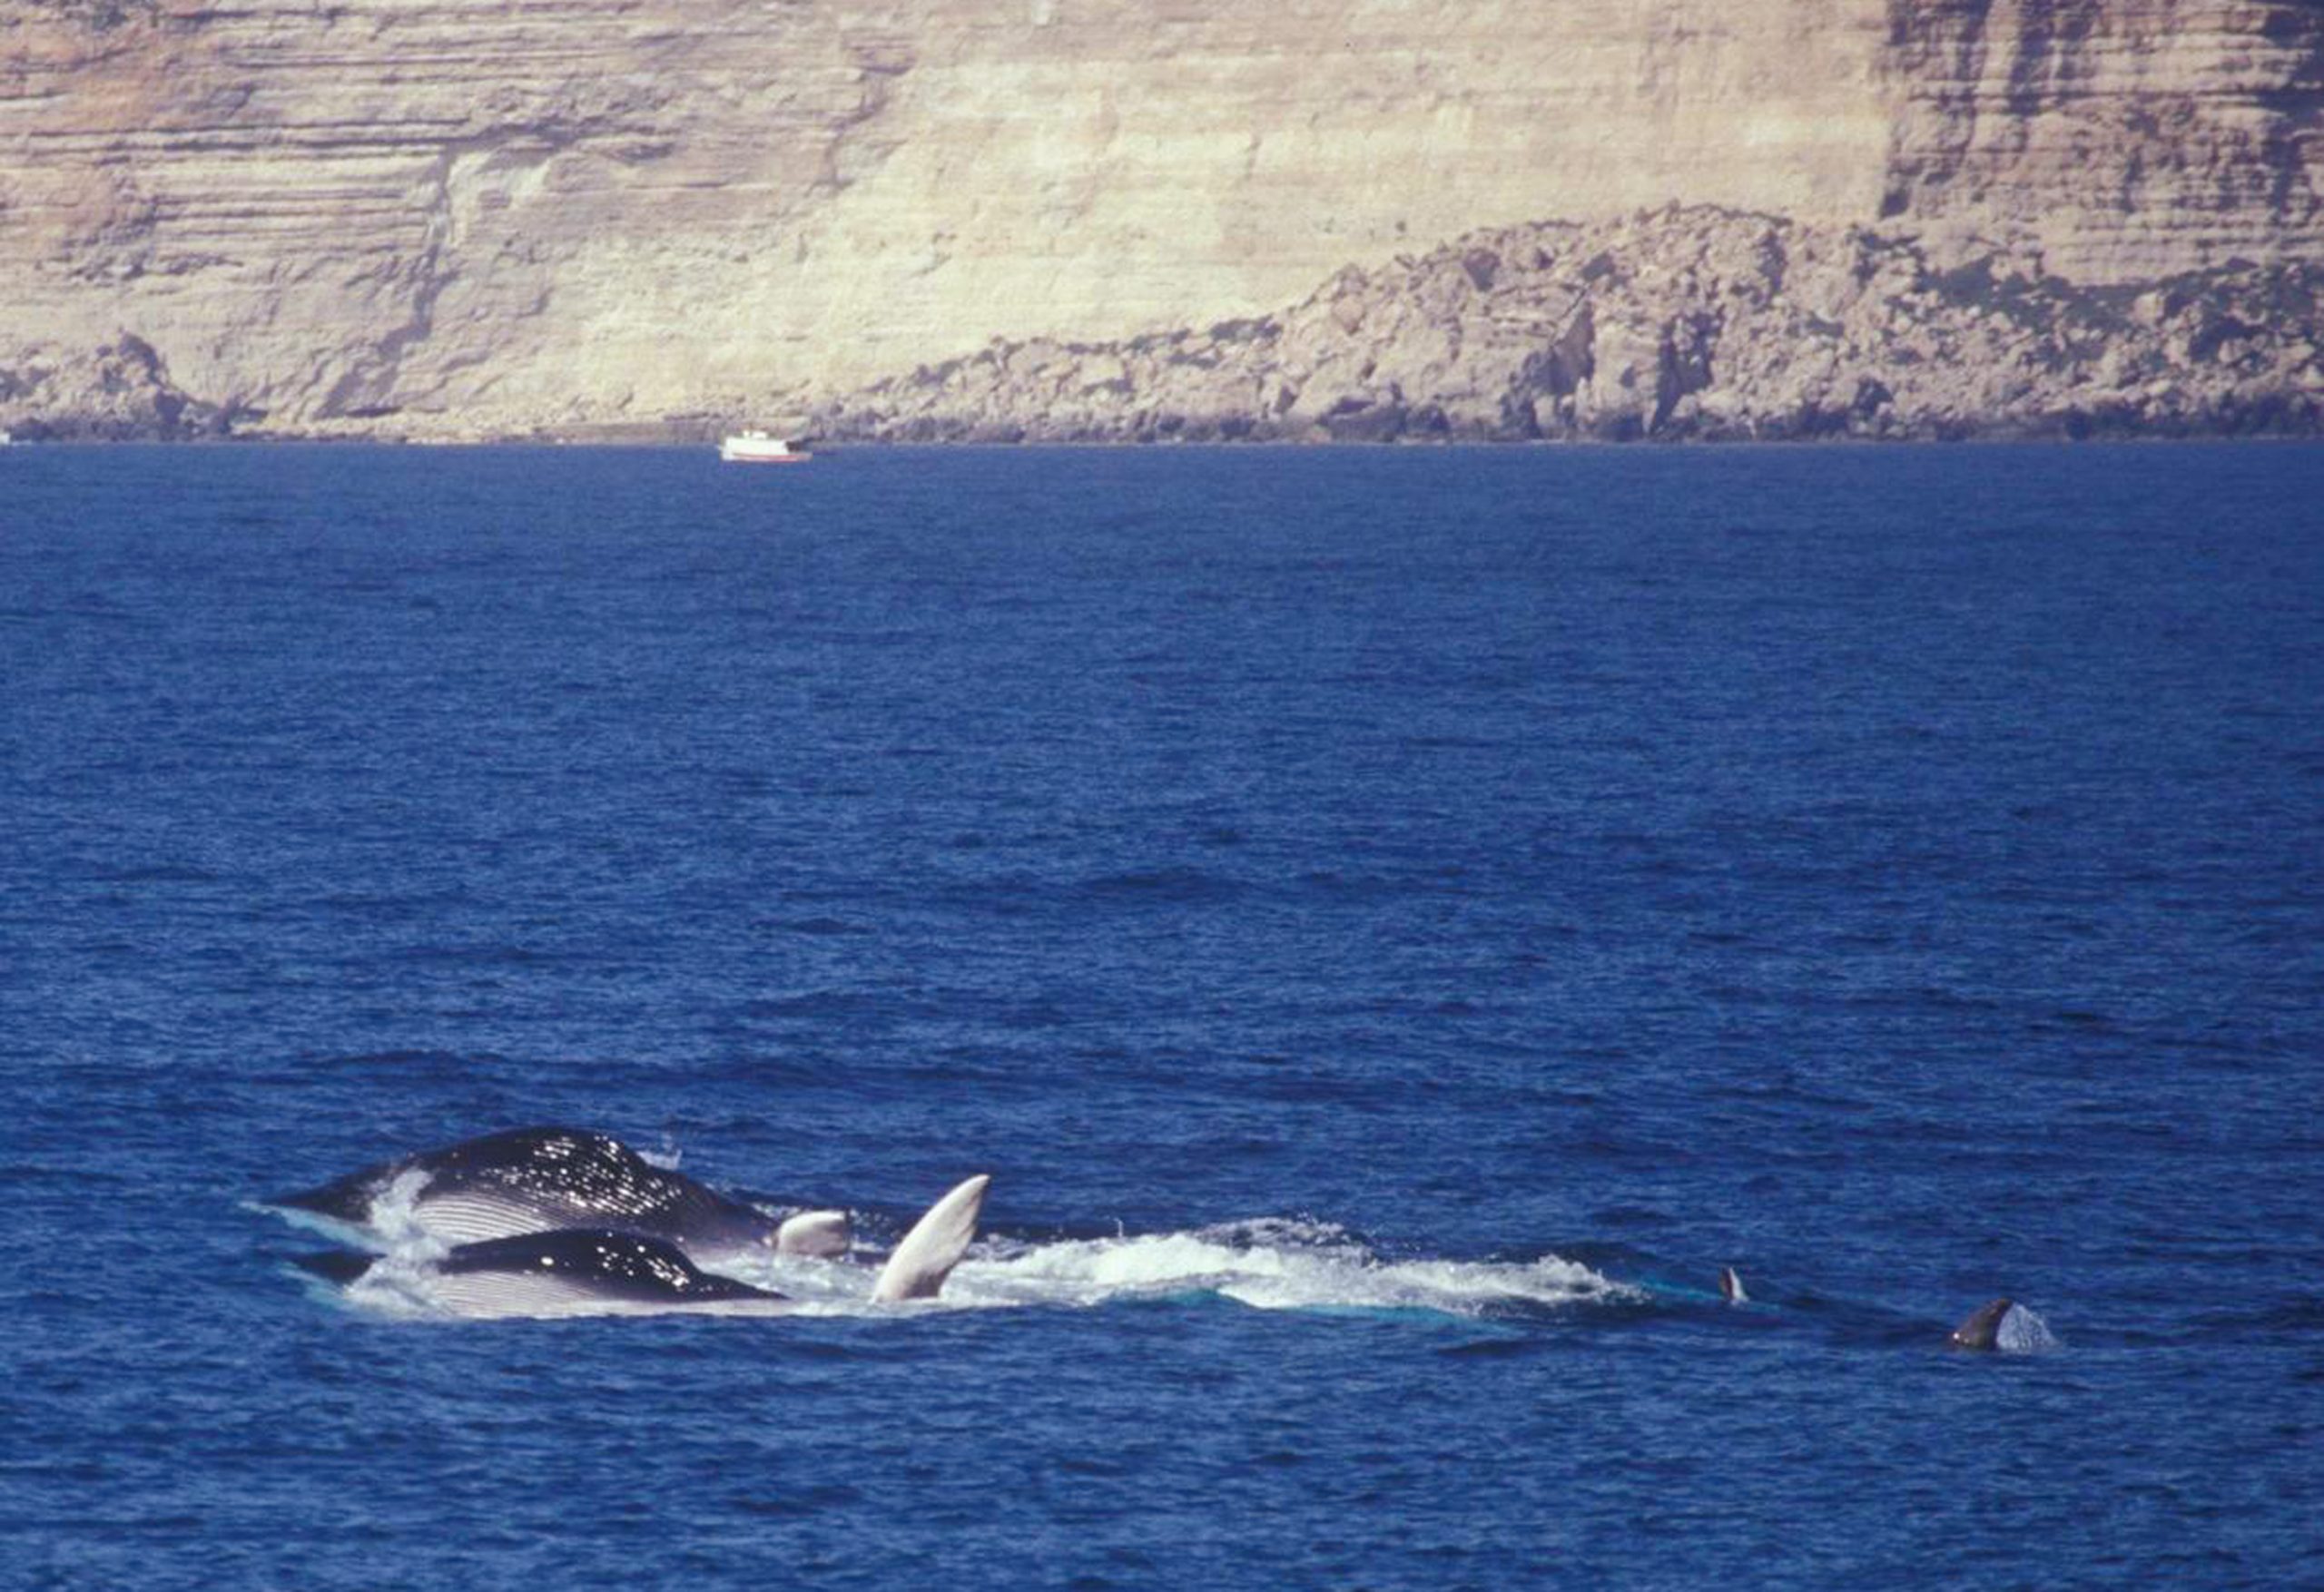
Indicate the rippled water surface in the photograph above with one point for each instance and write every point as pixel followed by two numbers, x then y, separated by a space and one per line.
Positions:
pixel 1394 924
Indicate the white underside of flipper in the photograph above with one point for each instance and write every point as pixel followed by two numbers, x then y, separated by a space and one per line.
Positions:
pixel 928 1253
pixel 824 1234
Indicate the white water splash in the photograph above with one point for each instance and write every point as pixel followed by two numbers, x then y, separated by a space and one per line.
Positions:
pixel 400 1281
pixel 2021 1331
pixel 402 1285
pixel 395 1219
pixel 1267 1264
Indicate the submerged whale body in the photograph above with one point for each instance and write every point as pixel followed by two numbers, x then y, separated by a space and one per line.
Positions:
pixel 538 1179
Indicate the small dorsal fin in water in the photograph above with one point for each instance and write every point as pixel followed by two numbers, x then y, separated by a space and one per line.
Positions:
pixel 1731 1286
pixel 931 1249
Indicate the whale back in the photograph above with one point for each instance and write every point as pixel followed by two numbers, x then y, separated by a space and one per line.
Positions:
pixel 536 1179
pixel 577 1270
pixel 601 1261
pixel 572 1271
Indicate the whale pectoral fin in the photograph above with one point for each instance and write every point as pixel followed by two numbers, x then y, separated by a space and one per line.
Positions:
pixel 928 1253
pixel 821 1233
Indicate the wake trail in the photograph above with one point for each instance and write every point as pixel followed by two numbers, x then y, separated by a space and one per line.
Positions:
pixel 1268 1263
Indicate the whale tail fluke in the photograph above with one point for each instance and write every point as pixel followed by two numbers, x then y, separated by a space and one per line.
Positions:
pixel 935 1244
pixel 1731 1286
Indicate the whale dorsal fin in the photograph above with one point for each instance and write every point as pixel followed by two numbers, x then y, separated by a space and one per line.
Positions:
pixel 1731 1286
pixel 931 1249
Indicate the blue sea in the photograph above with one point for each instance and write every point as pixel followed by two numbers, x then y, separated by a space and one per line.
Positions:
pixel 1392 923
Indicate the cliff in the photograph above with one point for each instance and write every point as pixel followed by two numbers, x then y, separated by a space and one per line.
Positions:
pixel 445 218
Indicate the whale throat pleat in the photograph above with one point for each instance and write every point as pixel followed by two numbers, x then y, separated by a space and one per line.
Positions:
pixel 469 1215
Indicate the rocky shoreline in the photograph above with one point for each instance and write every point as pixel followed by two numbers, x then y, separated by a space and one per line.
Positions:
pixel 1687 323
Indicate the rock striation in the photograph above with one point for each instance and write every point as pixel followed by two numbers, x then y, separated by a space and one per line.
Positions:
pixel 1685 323
pixel 452 218
pixel 2112 140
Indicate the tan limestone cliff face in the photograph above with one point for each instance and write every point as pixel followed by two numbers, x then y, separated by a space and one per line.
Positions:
pixel 1092 166
pixel 457 216
pixel 525 210
pixel 2111 141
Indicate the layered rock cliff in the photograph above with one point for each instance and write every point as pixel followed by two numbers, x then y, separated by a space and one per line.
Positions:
pixel 452 218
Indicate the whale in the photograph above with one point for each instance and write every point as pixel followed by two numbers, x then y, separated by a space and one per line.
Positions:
pixel 539 1179
pixel 566 1271
pixel 607 1270
pixel 2002 1327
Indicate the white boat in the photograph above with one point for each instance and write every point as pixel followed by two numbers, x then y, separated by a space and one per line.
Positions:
pixel 757 447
